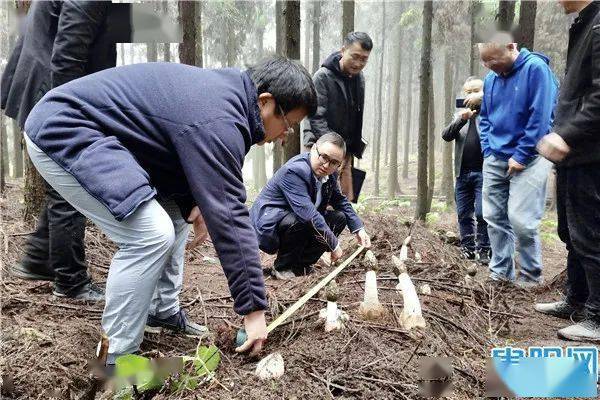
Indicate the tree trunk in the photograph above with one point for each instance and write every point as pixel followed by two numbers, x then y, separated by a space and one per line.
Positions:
pixel 526 33
pixel 347 17
pixel 188 49
pixel 34 191
pixel 292 51
pixel 198 32
pixel 473 11
pixel 422 186
pixel 151 52
pixel 167 46
pixel 122 47
pixel 431 145
pixel 279 49
pixel 407 126
pixel 307 29
pixel 3 155
pixel 378 129
pixel 447 177
pixel 259 158
pixel 17 142
pixel 392 184
pixel 506 14
pixel 316 35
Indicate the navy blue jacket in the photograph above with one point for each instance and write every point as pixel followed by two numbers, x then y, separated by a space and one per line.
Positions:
pixel 132 133
pixel 294 189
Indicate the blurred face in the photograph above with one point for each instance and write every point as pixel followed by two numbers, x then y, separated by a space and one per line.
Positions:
pixel 499 59
pixel 571 6
pixel 354 59
pixel 277 124
pixel 474 86
pixel 325 158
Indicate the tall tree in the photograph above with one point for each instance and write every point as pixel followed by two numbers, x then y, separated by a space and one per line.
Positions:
pixel 526 32
pixel 378 129
pixel 307 30
pixel 422 185
pixel 474 8
pixel 279 49
pixel 506 14
pixel 408 120
pixel 167 46
pixel 190 50
pixel 316 36
pixel 292 51
pixel 431 145
pixel 347 17
pixel 152 52
pixel 447 170
pixel 3 155
pixel 392 184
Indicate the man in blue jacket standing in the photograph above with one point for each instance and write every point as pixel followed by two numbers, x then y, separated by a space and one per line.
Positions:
pixel 290 215
pixel 516 112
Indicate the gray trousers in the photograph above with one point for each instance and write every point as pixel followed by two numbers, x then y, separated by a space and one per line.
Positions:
pixel 146 273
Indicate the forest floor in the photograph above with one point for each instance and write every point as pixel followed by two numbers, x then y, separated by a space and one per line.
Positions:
pixel 46 342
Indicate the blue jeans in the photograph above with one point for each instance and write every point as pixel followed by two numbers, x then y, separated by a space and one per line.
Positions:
pixel 513 207
pixel 469 210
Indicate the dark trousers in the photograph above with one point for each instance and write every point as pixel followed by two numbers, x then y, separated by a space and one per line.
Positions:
pixel 578 207
pixel 299 246
pixel 472 226
pixel 57 245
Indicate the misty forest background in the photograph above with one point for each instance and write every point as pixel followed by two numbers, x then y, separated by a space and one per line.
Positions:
pixel 423 51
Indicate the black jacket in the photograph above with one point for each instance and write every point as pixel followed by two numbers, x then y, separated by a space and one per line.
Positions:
pixel 62 41
pixel 578 109
pixel 337 112
pixel 457 130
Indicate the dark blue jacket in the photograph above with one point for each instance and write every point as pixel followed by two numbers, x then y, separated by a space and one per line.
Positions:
pixel 294 188
pixel 517 108
pixel 132 133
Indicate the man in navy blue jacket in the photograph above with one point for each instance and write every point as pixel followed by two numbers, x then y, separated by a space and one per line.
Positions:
pixel 139 148
pixel 290 215
pixel 519 95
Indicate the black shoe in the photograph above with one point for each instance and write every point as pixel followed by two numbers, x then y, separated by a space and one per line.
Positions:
pixel 22 271
pixel 484 256
pixel 177 323
pixel 468 254
pixel 560 309
pixel 88 292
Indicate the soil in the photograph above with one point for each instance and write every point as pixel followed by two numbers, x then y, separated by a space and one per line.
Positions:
pixel 47 342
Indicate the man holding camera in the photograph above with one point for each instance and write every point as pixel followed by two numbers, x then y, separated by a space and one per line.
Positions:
pixel 519 95
pixel 340 87
pixel 468 162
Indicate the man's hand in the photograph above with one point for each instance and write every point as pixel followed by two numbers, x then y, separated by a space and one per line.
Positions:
pixel 467 113
pixel 474 99
pixel 337 253
pixel 514 167
pixel 256 331
pixel 553 147
pixel 200 231
pixel 363 238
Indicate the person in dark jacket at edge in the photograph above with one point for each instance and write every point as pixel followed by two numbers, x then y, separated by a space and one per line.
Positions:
pixel 468 163
pixel 574 145
pixel 340 88
pixel 290 214
pixel 61 41
pixel 139 148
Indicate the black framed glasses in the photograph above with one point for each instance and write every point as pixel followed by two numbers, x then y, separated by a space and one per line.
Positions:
pixel 288 128
pixel 325 159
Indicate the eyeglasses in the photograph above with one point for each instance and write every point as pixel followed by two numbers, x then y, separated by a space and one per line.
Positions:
pixel 325 159
pixel 288 129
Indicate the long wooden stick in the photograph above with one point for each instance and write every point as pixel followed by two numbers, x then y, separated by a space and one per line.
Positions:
pixel 302 300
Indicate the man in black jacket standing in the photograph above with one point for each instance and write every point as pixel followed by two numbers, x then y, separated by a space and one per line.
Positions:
pixel 575 147
pixel 468 163
pixel 61 41
pixel 340 87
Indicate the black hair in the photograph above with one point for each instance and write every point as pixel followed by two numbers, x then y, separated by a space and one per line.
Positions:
pixel 333 138
pixel 288 81
pixel 361 37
